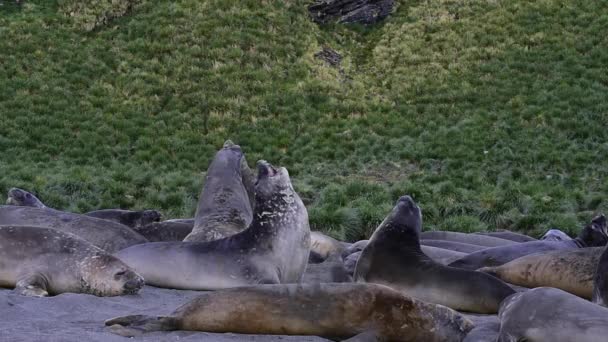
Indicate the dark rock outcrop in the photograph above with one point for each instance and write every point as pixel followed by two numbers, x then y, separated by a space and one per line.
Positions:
pixel 364 12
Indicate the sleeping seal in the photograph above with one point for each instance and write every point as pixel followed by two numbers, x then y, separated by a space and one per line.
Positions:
pixel 331 310
pixel 393 257
pixel 274 249
pixel 224 207
pixel 42 261
pixel 593 235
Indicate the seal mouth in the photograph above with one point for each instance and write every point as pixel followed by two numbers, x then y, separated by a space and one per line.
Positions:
pixel 265 169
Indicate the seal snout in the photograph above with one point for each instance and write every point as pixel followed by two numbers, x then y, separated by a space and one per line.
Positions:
pixel 265 169
pixel 133 285
pixel 228 144
pixel 407 202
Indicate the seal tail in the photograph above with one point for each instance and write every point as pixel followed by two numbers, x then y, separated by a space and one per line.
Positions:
pixel 135 325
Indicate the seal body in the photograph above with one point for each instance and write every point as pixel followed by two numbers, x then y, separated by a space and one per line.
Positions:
pixel 569 270
pixel 165 231
pixel 324 246
pixel 42 261
pixel 453 246
pixel 332 270
pixel 555 235
pixel 332 310
pixel 224 207
pixel 600 280
pixel 509 235
pixel 22 198
pixel 393 257
pixel 129 218
pixel 274 249
pixel 551 315
pixel 473 239
pixel 592 235
pixel 107 235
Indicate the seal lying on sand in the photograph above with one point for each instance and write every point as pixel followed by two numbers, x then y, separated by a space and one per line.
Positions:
pixel 600 280
pixel 570 270
pixel 224 207
pixel 22 198
pixel 555 235
pixel 593 235
pixel 129 218
pixel 472 239
pixel 551 315
pixel 508 235
pixel 332 310
pixel 109 236
pixel 393 257
pixel 274 249
pixel 42 261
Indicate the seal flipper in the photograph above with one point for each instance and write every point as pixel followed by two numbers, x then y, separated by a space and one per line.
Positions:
pixel 33 285
pixel 135 325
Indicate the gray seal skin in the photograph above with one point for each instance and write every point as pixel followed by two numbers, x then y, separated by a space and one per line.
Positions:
pixel 555 235
pixel 224 207
pixel 393 257
pixel 23 198
pixel 274 249
pixel 165 231
pixel 332 270
pixel 129 218
pixel 453 246
pixel 324 246
pixel 592 235
pixel 42 261
pixel 331 310
pixel 569 270
pixel 551 315
pixel 600 280
pixel 473 239
pixel 508 235
pixel 107 235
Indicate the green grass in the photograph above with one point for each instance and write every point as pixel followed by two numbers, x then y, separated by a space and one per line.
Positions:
pixel 492 114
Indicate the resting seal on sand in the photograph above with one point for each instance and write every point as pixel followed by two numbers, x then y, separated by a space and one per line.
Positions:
pixel 42 261
pixel 332 310
pixel 570 270
pixel 593 235
pixel 274 249
pixel 224 207
pixel 393 257
pixel 551 315
pixel 107 235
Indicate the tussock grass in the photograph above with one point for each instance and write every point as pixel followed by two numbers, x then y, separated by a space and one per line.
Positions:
pixel 492 114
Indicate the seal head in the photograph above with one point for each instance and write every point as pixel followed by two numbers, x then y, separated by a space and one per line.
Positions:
pixel 23 198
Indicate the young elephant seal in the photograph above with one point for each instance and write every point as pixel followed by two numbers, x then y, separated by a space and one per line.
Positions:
pixel 546 314
pixel 22 198
pixel 274 249
pixel 42 261
pixel 600 280
pixel 107 235
pixel 593 235
pixel 570 270
pixel 330 310
pixel 393 257
pixel 224 207
pixel 129 218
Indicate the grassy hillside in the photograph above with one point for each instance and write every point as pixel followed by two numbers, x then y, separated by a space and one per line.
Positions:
pixel 492 114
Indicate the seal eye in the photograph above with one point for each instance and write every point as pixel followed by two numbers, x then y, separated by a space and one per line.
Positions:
pixel 28 195
pixel 119 274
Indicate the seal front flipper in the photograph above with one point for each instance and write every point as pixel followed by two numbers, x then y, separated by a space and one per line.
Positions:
pixel 34 285
pixel 135 325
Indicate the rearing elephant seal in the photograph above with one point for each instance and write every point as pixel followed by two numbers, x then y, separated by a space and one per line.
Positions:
pixel 224 207
pixel 393 257
pixel 23 198
pixel 109 236
pixel 593 235
pixel 330 310
pixel 42 261
pixel 274 249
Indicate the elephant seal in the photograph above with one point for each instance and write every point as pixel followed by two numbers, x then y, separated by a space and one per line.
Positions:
pixel 42 261
pixel 22 198
pixel 165 231
pixel 473 239
pixel 332 310
pixel 452 246
pixel 224 207
pixel 129 218
pixel 393 257
pixel 569 270
pixel 593 235
pixel 274 249
pixel 109 236
pixel 600 280
pixel 555 235
pixel 331 270
pixel 323 246
pixel 551 315
pixel 508 235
